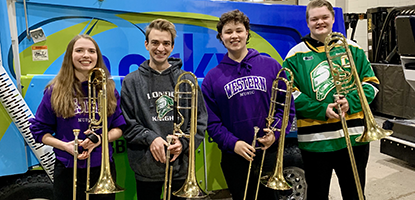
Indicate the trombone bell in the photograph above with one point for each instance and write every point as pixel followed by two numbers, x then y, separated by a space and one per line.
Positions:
pixel 373 132
pixel 190 190
pixel 105 185
pixel 275 183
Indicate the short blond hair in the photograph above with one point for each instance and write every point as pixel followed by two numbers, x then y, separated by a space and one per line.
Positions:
pixel 162 25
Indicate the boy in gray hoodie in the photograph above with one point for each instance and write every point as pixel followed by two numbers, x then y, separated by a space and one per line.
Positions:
pixel 147 102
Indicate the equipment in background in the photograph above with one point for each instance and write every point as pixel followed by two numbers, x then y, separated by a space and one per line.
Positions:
pixel 190 188
pixel 397 92
pixel 382 33
pixel 393 29
pixel 346 79
pixel 350 20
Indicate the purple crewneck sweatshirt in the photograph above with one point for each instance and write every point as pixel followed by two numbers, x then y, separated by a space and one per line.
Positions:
pixel 46 121
pixel 237 97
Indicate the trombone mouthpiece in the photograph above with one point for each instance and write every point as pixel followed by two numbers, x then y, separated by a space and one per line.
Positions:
pixel 76 132
pixel 169 139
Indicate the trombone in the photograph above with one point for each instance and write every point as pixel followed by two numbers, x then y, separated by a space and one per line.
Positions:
pixel 277 180
pixel 190 188
pixel 105 185
pixel 345 81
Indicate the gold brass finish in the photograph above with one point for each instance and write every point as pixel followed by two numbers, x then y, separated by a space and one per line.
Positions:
pixel 190 188
pixel 336 46
pixel 277 180
pixel 167 179
pixel 256 130
pixel 98 79
pixel 75 162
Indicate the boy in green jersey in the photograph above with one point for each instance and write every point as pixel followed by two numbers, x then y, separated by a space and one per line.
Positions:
pixel 320 134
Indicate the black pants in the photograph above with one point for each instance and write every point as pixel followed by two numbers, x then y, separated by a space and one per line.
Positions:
pixel 319 168
pixel 152 190
pixel 63 182
pixel 235 170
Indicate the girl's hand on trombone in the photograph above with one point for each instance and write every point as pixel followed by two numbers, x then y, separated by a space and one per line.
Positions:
pixel 175 148
pixel 268 139
pixel 89 145
pixel 245 150
pixel 69 147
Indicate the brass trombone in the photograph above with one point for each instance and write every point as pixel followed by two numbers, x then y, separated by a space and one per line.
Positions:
pixel 277 180
pixel 105 184
pixel 336 47
pixel 190 188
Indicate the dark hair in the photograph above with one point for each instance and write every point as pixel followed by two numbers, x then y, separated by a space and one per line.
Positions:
pixel 319 4
pixel 162 25
pixel 234 16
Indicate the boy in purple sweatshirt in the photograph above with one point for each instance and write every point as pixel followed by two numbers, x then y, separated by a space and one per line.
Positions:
pixel 237 93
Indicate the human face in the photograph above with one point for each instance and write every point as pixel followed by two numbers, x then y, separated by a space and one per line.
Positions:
pixel 234 36
pixel 160 46
pixel 84 57
pixel 320 22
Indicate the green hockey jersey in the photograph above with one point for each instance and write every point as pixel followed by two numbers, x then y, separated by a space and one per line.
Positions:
pixel 314 90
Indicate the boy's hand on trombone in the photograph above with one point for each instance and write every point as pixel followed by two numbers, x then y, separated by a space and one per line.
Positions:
pixel 245 150
pixel 157 149
pixel 268 139
pixel 175 148
pixel 344 106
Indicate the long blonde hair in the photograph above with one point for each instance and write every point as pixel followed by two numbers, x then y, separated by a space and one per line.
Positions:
pixel 62 97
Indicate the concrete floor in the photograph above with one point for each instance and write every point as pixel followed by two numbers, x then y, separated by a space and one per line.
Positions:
pixel 387 178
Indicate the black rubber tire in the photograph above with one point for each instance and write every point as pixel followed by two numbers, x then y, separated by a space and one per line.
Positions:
pixel 296 178
pixel 293 172
pixel 32 185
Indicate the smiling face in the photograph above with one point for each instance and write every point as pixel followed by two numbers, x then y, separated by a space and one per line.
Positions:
pixel 84 58
pixel 234 36
pixel 320 22
pixel 160 46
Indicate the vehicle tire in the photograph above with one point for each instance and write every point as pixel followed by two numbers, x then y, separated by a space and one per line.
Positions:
pixel 296 178
pixel 32 185
pixel 293 172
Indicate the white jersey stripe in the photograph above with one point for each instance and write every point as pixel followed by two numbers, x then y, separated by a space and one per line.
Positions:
pixel 329 135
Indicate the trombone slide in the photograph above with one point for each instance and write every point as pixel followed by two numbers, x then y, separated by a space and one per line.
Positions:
pixel 75 162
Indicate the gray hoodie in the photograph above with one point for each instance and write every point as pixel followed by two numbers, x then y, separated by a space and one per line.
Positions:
pixel 147 98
